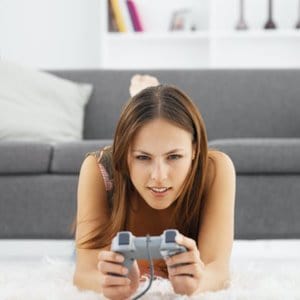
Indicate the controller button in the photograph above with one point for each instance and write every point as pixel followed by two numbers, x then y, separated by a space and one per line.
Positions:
pixel 124 239
pixel 170 236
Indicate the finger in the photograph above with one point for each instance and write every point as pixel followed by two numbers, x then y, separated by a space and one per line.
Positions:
pixel 190 244
pixel 112 268
pixel 184 258
pixel 110 256
pixel 110 280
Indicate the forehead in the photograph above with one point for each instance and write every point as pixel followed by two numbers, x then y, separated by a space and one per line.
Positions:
pixel 160 134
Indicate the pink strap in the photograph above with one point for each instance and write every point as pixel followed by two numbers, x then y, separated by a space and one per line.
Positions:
pixel 107 182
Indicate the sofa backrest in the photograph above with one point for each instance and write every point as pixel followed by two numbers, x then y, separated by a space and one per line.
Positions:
pixel 234 103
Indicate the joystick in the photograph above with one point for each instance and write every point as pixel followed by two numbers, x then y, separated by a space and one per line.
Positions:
pixel 133 248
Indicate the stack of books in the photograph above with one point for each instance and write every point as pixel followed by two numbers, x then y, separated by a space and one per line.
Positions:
pixel 124 16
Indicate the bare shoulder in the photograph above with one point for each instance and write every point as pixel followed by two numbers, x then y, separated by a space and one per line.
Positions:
pixel 89 166
pixel 220 159
pixel 90 181
pixel 220 165
pixel 92 205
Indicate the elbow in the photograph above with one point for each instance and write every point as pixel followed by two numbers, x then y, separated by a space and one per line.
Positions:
pixel 222 277
pixel 76 280
pixel 87 280
pixel 79 281
pixel 216 277
pixel 224 281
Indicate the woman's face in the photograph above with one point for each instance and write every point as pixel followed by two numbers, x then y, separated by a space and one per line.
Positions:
pixel 159 160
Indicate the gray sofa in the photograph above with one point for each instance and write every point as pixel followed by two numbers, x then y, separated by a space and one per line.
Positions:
pixel 252 115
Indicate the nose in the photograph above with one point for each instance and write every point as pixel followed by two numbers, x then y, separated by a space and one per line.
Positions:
pixel 159 172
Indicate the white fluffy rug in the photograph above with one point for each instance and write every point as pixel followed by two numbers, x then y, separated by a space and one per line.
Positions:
pixel 254 276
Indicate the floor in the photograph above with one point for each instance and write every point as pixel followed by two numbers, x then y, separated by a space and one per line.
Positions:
pixel 43 270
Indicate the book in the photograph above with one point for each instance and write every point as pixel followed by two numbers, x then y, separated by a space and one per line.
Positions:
pixel 135 17
pixel 115 5
pixel 112 24
pixel 126 15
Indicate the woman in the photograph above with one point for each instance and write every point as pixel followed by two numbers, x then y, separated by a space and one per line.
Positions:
pixel 158 174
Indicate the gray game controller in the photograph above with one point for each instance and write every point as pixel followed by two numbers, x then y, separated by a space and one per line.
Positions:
pixel 132 247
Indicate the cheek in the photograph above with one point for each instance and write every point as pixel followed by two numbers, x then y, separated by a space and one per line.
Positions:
pixel 138 173
pixel 182 170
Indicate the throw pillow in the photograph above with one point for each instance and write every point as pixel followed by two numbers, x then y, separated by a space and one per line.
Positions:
pixel 39 106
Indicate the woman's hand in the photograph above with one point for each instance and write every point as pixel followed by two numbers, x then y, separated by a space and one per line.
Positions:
pixel 140 82
pixel 186 269
pixel 117 286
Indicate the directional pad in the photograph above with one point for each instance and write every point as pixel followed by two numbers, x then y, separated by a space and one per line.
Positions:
pixel 170 236
pixel 124 238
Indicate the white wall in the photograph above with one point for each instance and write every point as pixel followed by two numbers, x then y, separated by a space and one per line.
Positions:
pixel 51 34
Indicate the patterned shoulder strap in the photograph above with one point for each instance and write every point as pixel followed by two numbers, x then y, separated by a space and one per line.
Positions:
pixel 104 159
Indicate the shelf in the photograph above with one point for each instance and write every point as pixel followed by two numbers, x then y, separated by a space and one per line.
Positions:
pixel 256 49
pixel 215 44
pixel 158 36
pixel 156 51
pixel 224 34
pixel 256 34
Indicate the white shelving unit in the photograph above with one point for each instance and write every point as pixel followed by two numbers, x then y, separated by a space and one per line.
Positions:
pixel 215 43
pixel 256 49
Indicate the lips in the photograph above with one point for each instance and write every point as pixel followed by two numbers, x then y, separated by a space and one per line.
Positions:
pixel 159 192
pixel 158 189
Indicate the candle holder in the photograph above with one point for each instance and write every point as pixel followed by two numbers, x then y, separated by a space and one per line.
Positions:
pixel 270 23
pixel 241 25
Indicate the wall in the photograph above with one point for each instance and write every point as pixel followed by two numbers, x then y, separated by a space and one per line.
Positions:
pixel 50 34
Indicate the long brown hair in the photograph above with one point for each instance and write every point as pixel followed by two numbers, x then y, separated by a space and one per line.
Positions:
pixel 172 104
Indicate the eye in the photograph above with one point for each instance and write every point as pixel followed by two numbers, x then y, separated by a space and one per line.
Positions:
pixel 142 157
pixel 174 157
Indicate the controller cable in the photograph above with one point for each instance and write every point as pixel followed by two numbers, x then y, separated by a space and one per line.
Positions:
pixel 151 270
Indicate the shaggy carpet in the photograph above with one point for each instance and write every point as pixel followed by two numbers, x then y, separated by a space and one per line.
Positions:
pixel 264 272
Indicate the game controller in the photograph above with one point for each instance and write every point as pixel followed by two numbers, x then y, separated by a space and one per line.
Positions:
pixel 133 248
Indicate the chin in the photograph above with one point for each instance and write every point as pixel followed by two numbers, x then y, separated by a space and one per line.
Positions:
pixel 159 206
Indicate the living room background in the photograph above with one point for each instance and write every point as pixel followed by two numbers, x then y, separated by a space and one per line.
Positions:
pixel 73 34
pixel 244 81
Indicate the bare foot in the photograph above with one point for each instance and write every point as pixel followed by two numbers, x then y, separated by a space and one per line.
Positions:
pixel 139 82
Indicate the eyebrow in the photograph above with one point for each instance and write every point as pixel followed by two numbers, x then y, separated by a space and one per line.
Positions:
pixel 169 152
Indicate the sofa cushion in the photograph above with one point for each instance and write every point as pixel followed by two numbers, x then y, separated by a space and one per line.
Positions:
pixel 24 157
pixel 262 155
pixel 37 106
pixel 68 157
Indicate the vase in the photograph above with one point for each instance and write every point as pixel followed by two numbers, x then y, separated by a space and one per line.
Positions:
pixel 241 25
pixel 270 23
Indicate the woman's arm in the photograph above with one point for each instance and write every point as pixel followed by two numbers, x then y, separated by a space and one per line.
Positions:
pixel 216 232
pixel 94 266
pixel 92 210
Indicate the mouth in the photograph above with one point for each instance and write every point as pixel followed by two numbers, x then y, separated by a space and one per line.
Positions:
pixel 159 191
